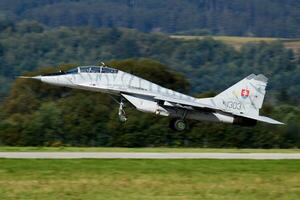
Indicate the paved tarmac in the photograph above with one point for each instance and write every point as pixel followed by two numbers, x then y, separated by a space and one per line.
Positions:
pixel 114 155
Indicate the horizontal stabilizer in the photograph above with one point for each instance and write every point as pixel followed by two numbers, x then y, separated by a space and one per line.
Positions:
pixel 269 120
pixel 185 102
pixel 263 119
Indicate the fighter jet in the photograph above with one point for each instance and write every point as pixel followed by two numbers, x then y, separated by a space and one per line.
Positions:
pixel 239 104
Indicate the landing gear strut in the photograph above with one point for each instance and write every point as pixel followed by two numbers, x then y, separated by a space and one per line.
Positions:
pixel 122 114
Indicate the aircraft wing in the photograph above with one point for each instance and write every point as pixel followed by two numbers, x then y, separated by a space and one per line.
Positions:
pixel 165 101
pixel 185 103
pixel 177 102
pixel 190 104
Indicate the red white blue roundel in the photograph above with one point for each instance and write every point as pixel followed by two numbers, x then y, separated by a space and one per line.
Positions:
pixel 245 93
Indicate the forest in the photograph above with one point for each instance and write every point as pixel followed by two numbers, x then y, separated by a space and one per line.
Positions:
pixel 35 114
pixel 268 18
pixel 46 36
pixel 27 46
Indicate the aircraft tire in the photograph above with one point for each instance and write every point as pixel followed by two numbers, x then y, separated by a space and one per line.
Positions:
pixel 178 125
pixel 122 118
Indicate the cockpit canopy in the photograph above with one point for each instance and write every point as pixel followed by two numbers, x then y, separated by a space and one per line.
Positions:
pixel 85 69
pixel 92 69
pixel 72 71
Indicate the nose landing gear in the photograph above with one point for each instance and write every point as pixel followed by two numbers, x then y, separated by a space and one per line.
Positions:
pixel 122 114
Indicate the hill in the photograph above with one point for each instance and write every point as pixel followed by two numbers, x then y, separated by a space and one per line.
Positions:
pixel 263 18
pixel 26 46
pixel 40 115
pixel 37 114
pixel 238 42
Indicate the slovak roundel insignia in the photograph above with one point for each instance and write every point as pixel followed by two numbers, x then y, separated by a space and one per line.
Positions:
pixel 245 93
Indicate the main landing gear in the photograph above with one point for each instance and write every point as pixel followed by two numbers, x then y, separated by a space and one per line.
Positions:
pixel 179 124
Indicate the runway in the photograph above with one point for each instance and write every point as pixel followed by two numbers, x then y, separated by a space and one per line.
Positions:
pixel 112 155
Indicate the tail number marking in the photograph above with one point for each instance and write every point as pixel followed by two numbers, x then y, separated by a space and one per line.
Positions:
pixel 234 105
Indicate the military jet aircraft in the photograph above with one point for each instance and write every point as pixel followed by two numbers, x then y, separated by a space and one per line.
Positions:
pixel 239 104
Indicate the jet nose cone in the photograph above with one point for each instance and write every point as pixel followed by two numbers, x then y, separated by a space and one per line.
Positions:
pixel 37 78
pixel 32 77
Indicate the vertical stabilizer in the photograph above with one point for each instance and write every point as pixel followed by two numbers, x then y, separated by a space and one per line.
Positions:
pixel 244 97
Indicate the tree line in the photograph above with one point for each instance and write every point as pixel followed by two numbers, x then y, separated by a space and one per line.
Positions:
pixel 37 114
pixel 27 46
pixel 266 18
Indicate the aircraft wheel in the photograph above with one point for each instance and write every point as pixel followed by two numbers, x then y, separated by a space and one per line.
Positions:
pixel 178 125
pixel 122 118
pixel 122 114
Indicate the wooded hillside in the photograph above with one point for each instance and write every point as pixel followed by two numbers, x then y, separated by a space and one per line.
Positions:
pixel 270 18
pixel 39 115
pixel 26 46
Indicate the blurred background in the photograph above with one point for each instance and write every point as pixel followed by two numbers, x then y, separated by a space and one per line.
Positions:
pixel 199 47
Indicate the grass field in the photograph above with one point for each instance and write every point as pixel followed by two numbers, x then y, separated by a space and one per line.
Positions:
pixel 149 179
pixel 109 149
pixel 237 42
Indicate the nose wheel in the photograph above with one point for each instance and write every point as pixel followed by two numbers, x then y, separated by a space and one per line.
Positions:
pixel 122 114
